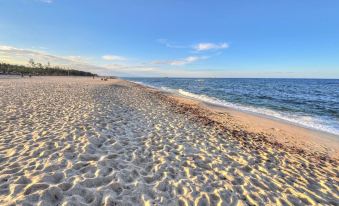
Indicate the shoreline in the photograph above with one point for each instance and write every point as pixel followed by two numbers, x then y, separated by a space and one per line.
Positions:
pixel 78 140
pixel 276 130
pixel 239 108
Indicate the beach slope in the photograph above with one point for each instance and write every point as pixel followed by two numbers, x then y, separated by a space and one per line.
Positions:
pixel 79 141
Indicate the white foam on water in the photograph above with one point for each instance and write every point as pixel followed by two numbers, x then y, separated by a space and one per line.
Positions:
pixel 141 83
pixel 312 122
pixel 316 123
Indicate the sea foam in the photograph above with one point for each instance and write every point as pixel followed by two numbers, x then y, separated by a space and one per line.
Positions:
pixel 307 121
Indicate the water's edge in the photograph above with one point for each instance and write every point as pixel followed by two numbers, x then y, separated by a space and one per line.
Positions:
pixel 304 122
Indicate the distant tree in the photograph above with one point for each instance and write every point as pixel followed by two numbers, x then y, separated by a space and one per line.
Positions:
pixel 31 62
pixel 39 69
pixel 48 65
pixel 39 65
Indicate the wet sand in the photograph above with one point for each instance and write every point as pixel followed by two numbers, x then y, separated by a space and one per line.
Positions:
pixel 276 131
pixel 79 141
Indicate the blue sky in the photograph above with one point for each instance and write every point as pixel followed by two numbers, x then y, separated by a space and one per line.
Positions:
pixel 243 38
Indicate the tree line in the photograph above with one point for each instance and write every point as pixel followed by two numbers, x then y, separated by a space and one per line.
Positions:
pixel 39 69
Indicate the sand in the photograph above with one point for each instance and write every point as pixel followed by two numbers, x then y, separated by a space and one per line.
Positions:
pixel 314 143
pixel 79 141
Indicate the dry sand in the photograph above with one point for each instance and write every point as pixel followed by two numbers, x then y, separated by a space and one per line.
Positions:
pixel 292 137
pixel 79 141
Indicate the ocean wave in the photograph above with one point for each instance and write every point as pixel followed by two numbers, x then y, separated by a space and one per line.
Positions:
pixel 143 84
pixel 316 123
pixel 307 121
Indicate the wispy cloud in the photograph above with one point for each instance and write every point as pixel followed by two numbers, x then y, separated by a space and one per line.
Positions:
pixel 166 68
pixel 130 68
pixel 171 44
pixel 15 55
pixel 110 57
pixel 46 1
pixel 19 55
pixel 180 62
pixel 133 70
pixel 203 46
pixel 158 71
pixel 210 46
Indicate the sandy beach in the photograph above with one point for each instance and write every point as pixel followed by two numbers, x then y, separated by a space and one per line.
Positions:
pixel 83 141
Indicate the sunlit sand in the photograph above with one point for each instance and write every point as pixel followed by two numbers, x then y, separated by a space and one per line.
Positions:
pixel 79 141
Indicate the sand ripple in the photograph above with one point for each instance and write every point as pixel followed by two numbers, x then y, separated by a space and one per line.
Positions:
pixel 84 142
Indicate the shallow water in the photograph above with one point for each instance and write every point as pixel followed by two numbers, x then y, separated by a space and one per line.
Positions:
pixel 312 103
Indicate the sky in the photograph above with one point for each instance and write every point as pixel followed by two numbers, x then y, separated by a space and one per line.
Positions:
pixel 175 38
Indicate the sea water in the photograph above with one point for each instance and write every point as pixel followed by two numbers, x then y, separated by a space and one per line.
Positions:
pixel 311 103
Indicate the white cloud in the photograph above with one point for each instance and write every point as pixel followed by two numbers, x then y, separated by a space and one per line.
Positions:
pixel 203 46
pixel 79 59
pixel 180 62
pixel 14 55
pixel 210 46
pixel 187 60
pixel 110 57
pixel 6 48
